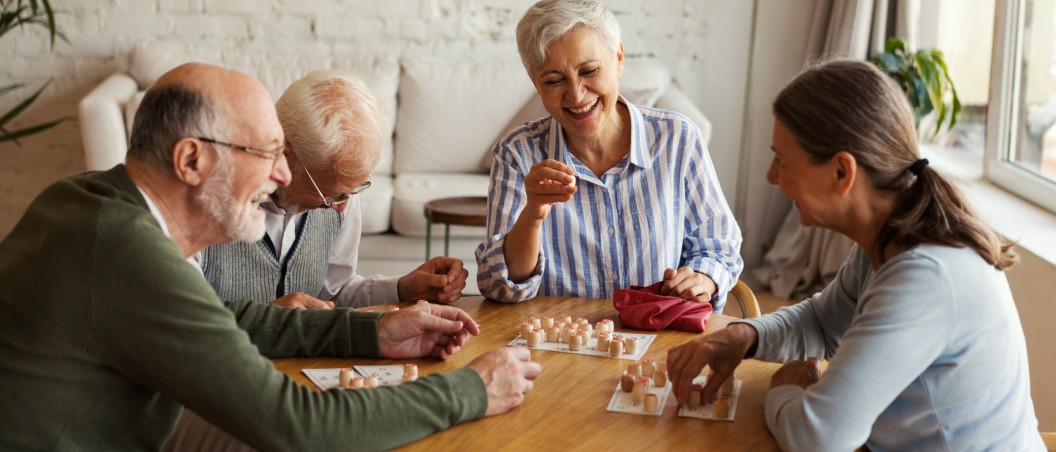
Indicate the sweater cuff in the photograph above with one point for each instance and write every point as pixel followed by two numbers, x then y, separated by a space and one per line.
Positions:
pixel 363 333
pixel 475 399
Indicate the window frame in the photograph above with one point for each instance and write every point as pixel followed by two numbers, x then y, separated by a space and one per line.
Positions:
pixel 1003 111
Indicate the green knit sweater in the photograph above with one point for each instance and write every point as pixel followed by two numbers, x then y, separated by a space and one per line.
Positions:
pixel 106 331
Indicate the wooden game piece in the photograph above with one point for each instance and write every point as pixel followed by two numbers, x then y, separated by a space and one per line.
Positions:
pixel 661 364
pixel 575 342
pixel 648 368
pixel 638 392
pixel 410 369
pixel 345 375
pixel 694 397
pixel 615 348
pixel 635 369
pixel 727 386
pixel 603 342
pixel 553 334
pixel 393 308
pixel 548 322
pixel 660 378
pixel 627 382
pixel 370 382
pixel 534 337
pixel 630 345
pixel 651 403
pixel 565 318
pixel 422 302
pixel 355 383
pixel 535 321
pixel 408 377
pixel 721 409
pixel 526 329
pixel 582 321
pixel 566 336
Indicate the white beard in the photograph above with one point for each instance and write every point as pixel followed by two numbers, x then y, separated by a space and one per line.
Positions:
pixel 241 222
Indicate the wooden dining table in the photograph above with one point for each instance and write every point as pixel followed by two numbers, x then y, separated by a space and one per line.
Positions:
pixel 567 407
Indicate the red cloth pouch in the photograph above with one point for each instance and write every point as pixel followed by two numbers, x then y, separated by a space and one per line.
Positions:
pixel 644 308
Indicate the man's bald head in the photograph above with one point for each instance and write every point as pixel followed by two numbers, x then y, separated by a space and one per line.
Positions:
pixel 195 100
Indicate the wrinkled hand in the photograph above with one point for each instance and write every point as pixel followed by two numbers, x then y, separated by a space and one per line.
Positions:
pixel 299 300
pixel 424 330
pixel 801 373
pixel 547 183
pixel 508 375
pixel 688 284
pixel 722 351
pixel 441 279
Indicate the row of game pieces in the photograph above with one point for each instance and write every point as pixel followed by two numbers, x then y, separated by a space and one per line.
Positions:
pixel 347 378
pixel 577 334
pixel 637 377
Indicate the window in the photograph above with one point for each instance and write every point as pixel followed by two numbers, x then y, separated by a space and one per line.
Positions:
pixel 1021 140
pixel 1001 58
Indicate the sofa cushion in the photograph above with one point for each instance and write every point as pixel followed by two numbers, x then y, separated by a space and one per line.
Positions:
pixel 450 111
pixel 413 190
pixel 276 71
pixel 377 204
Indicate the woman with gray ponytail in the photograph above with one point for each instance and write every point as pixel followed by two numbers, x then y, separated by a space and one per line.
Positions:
pixel 924 344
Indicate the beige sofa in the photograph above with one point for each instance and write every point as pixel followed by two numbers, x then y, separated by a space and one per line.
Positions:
pixel 444 117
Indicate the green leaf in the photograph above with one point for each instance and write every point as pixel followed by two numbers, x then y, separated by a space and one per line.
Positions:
pixel 11 87
pixel 15 135
pixel 7 117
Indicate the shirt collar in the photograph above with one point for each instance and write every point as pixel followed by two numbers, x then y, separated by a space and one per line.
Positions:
pixel 155 212
pixel 639 145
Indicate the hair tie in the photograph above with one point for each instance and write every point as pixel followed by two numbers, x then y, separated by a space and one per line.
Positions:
pixel 918 166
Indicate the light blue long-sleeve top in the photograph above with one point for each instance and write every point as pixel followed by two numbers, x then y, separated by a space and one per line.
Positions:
pixel 660 207
pixel 926 353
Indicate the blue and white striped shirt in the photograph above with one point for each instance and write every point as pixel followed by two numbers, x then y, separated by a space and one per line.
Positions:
pixel 660 207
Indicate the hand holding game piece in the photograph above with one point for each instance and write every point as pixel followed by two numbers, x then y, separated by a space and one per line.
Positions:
pixel 547 182
pixel 508 375
pixel 427 330
pixel 722 351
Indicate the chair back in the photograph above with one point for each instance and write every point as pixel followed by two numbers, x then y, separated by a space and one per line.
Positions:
pixel 745 298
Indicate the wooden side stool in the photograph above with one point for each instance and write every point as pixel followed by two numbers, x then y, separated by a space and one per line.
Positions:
pixel 462 211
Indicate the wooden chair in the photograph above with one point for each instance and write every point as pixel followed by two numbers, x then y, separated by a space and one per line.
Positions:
pixel 1050 440
pixel 745 299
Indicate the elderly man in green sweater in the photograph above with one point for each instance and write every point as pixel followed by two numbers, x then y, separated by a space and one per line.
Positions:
pixel 106 331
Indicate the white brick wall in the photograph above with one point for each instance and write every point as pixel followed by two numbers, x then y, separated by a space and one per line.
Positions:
pixel 102 32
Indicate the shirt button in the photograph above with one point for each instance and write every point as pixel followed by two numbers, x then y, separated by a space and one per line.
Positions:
pixel 612 231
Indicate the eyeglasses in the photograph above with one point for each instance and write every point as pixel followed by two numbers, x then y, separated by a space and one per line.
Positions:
pixel 333 200
pixel 262 153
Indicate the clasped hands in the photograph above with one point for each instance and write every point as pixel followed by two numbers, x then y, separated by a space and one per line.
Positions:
pixel 722 352
pixel 441 280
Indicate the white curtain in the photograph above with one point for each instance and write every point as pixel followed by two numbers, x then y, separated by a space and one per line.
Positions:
pixel 802 260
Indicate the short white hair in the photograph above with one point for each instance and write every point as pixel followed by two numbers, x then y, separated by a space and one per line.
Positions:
pixel 549 20
pixel 332 119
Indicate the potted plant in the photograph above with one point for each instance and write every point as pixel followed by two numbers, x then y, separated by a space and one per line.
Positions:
pixel 16 14
pixel 924 77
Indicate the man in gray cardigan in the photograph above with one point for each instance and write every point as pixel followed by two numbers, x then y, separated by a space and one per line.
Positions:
pixel 333 125
pixel 106 332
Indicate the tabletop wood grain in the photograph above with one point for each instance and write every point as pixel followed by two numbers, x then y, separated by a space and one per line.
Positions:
pixel 566 410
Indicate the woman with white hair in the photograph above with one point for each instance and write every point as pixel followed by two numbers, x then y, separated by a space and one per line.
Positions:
pixel 602 194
